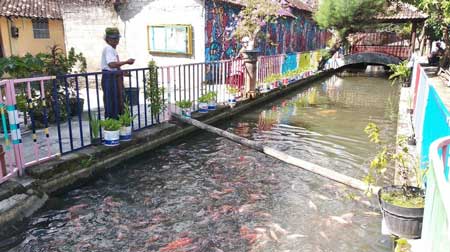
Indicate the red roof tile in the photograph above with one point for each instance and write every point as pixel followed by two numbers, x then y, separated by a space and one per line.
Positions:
pixel 30 8
pixel 402 12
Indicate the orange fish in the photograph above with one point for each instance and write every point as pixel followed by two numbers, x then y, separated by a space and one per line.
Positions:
pixel 182 242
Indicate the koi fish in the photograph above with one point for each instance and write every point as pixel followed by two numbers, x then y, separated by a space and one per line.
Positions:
pixel 180 243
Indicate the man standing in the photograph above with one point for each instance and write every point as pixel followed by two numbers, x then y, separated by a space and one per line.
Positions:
pixel 112 81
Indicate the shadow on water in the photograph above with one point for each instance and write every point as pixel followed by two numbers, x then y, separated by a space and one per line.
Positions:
pixel 207 193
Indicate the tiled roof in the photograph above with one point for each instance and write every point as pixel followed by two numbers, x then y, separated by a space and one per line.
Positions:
pixel 297 4
pixel 301 5
pixel 30 8
pixel 402 12
pixel 90 2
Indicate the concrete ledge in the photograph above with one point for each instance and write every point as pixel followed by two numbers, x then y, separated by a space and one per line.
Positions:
pixel 76 168
pixel 18 207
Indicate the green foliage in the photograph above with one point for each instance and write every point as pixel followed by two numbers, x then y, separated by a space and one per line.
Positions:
pixel 388 154
pixel 404 199
pixel 154 94
pixel 208 97
pixel 347 16
pixel 232 90
pixel 400 72
pixel 126 118
pixel 254 16
pixel 111 124
pixel 95 126
pixel 402 246
pixel 53 63
pixel 203 98
pixel 439 17
pixel 184 104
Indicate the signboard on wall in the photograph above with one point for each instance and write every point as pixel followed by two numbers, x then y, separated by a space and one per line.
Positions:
pixel 170 39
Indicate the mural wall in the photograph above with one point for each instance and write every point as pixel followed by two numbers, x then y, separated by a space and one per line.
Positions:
pixel 286 36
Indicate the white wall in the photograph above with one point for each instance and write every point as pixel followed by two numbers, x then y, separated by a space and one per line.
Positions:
pixel 84 29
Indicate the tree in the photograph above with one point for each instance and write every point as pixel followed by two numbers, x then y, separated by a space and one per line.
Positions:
pixel 254 17
pixel 345 17
pixel 438 23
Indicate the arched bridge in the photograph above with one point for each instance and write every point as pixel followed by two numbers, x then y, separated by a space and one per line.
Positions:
pixel 373 58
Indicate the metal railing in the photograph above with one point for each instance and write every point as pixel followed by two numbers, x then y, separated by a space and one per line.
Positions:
pixel 50 116
pixel 436 220
pixel 191 81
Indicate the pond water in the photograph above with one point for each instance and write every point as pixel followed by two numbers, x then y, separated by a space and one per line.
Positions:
pixel 207 193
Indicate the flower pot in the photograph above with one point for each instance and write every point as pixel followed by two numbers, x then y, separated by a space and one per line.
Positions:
pixel 411 140
pixel 285 81
pixel 203 107
pixel 132 95
pixel 125 133
pixel 402 221
pixel 76 105
pixel 409 111
pixel 96 141
pixel 212 105
pixel 232 102
pixel 112 138
pixel 186 112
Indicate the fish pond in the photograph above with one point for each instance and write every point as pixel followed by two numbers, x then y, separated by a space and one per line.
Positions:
pixel 207 193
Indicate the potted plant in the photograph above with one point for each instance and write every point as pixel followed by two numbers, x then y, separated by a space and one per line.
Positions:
pixel 212 96
pixel 153 93
pixel 185 107
pixel 95 128
pixel 125 120
pixel 233 95
pixel 111 131
pixel 203 103
pixel 400 73
pixel 401 205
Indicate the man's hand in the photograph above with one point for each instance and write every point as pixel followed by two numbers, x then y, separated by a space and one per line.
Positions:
pixel 130 61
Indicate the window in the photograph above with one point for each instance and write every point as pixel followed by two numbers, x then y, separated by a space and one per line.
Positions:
pixel 40 29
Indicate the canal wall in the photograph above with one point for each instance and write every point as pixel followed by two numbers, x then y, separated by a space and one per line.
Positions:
pixel 20 198
pixel 428 99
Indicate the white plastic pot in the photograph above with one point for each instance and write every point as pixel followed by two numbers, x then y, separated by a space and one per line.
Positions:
pixel 111 137
pixel 203 107
pixel 212 105
pixel 125 133
pixel 232 102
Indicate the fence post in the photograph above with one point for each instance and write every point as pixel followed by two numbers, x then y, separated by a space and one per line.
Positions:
pixel 13 117
pixel 3 169
pixel 250 59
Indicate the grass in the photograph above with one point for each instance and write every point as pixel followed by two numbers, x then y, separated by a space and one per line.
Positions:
pixel 402 200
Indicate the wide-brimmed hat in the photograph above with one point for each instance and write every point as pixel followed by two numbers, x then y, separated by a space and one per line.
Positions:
pixel 112 33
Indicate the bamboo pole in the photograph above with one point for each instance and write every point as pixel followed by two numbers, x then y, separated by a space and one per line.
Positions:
pixel 316 169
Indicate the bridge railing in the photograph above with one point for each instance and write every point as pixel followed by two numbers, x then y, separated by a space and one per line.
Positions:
pixel 436 220
pixel 381 42
pixel 402 52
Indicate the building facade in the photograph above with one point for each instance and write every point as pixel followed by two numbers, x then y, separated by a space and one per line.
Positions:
pixel 290 34
pixel 178 31
pixel 30 26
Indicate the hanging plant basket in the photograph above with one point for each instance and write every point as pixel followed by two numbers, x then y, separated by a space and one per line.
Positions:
pixel 402 221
